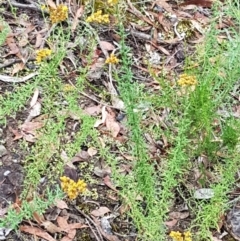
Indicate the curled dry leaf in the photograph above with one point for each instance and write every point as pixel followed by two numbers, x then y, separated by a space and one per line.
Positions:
pixel 171 223
pixel 27 131
pixel 93 110
pixel 38 218
pixel 100 211
pixel 70 235
pixel 61 204
pixel 36 231
pixel 104 116
pixel 101 172
pixel 78 15
pixel 10 79
pixel 81 156
pixel 34 112
pixel 107 181
pixel 92 151
pixel 51 4
pixel 31 127
pixel 178 215
pixel 112 125
pixel 34 98
pixel 51 227
pixel 202 3
pixel 75 226
pixel 108 118
pixel 106 45
pixel 39 40
pixel 18 67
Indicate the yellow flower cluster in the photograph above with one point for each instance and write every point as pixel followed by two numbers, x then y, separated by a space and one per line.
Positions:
pixel 187 80
pixel 98 17
pixel 42 54
pixel 112 59
pixel 112 2
pixel 59 14
pixel 177 236
pixel 68 88
pixel 71 188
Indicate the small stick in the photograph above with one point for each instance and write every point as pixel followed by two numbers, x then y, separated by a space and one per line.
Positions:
pixel 91 98
pixel 91 221
pixel 31 6
pixel 94 233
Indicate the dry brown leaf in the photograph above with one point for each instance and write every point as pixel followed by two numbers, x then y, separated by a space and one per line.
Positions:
pixel 62 222
pixel 39 218
pixel 112 125
pixel 202 3
pixel 100 211
pixel 108 237
pixel 51 227
pixel 165 5
pixel 81 156
pixel 31 127
pixel 34 98
pixel 36 231
pixel 9 79
pixel 61 204
pixel 104 116
pixel 93 110
pixel 70 235
pixel 51 4
pixel 39 40
pixel 178 215
pixel 171 223
pixel 92 151
pixel 163 50
pixel 107 182
pixel 106 45
pixel 18 67
pixel 75 226
pixel 78 15
pixel 12 45
pixel 34 111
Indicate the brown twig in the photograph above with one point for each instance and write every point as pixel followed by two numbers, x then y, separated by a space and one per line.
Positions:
pixel 91 98
pixel 91 221
pixel 31 6
pixel 11 62
pixel 94 233
pixel 148 37
pixel 137 13
pixel 10 79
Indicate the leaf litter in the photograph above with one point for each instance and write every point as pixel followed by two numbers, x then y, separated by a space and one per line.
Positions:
pixel 157 48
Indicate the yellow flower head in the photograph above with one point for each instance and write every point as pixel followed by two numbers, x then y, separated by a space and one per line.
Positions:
pixel 42 54
pixel 112 59
pixel 112 2
pixel 59 14
pixel 98 17
pixel 68 88
pixel 72 188
pixel 187 80
pixel 178 236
